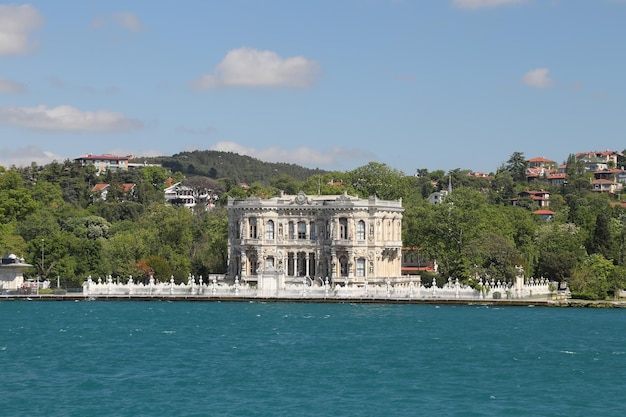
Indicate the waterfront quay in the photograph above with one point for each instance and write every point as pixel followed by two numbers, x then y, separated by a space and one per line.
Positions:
pixel 539 302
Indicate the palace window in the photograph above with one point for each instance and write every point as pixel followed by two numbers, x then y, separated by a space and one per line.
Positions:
pixel 292 231
pixel 301 230
pixel 269 262
pixel 360 267
pixel 343 262
pixel 253 228
pixel 360 230
pixel 269 230
pixel 312 232
pixel 343 228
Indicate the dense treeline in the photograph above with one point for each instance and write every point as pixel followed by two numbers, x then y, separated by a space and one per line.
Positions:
pixel 49 216
pixel 237 168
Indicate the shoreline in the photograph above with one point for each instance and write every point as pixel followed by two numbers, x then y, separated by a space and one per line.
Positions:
pixel 433 301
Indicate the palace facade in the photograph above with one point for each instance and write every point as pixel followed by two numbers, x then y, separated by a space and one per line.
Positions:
pixel 336 237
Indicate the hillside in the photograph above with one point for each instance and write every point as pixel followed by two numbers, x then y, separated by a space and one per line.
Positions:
pixel 238 168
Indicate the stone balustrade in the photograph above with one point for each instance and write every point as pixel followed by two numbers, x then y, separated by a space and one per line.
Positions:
pixel 405 287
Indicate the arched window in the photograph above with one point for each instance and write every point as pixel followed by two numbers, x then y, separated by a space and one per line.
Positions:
pixel 269 230
pixel 253 228
pixel 343 261
pixel 312 232
pixel 253 264
pixel 343 228
pixel 360 230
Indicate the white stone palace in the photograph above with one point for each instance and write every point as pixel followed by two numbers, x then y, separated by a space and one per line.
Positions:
pixel 323 238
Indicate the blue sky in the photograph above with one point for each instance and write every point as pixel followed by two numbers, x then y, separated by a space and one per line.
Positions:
pixel 436 84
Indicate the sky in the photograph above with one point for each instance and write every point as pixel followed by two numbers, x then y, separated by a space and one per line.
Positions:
pixel 329 84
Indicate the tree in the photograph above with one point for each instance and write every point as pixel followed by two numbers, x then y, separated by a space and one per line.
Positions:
pixel 376 179
pixel 495 256
pixel 210 247
pixel 601 241
pixel 591 279
pixel 576 175
pixel 560 249
pixel 517 166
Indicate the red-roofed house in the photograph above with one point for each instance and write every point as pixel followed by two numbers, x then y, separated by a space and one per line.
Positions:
pixel 606 186
pixel 105 162
pixel 557 179
pixel 100 191
pixel 544 214
pixel 541 197
pixel 541 162
pixel 540 168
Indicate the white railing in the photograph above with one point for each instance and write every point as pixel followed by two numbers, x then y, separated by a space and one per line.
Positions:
pixel 405 287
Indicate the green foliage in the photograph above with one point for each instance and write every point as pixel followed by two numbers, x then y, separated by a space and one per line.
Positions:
pixel 561 249
pixel 591 279
pixel 517 165
pixel 376 179
pixel 475 230
pixel 238 168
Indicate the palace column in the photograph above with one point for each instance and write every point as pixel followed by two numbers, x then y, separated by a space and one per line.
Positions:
pixel 244 265
pixel 306 264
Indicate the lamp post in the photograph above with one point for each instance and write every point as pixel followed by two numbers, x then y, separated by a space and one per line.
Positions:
pixel 42 264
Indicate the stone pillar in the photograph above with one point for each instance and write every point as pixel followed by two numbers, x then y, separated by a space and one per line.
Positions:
pixel 244 265
pixel 306 264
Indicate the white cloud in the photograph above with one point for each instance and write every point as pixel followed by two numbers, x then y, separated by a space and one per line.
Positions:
pixel 301 156
pixel 11 87
pixel 66 118
pixel 16 24
pixel 538 78
pixel 247 67
pixel 24 156
pixel 126 20
pixel 478 4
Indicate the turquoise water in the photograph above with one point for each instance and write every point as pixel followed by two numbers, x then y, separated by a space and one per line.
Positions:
pixel 155 358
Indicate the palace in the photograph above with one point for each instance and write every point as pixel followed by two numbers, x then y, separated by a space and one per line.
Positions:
pixel 336 237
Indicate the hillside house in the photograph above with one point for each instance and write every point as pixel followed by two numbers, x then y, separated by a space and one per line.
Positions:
pixel 600 160
pixel 606 186
pixel 541 198
pixel 106 162
pixel 540 168
pixel 179 194
pixel 544 214
pixel 101 191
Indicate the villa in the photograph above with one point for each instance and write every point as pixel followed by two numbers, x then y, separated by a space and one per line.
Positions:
pixel 335 237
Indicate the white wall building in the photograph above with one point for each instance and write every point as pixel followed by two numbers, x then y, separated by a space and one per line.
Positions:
pixel 339 237
pixel 12 272
pixel 189 197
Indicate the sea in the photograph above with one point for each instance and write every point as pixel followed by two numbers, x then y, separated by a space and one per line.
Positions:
pixel 160 358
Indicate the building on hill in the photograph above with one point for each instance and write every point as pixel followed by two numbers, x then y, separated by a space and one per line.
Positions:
pixel 106 162
pixel 539 168
pixel 606 186
pixel 600 160
pixel 179 194
pixel 544 214
pixel 101 191
pixel 541 198
pixel 294 237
